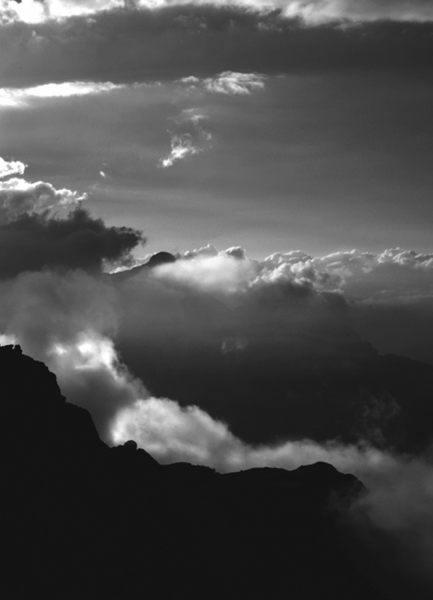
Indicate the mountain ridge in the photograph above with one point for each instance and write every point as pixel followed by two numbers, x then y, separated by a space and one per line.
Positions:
pixel 83 520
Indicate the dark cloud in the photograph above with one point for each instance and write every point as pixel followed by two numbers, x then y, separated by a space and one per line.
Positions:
pixel 44 227
pixel 173 42
pixel 79 241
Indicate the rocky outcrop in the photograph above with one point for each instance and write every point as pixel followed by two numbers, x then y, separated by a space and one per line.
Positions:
pixel 82 520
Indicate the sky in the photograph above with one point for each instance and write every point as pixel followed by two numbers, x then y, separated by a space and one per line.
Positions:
pixel 281 154
pixel 225 124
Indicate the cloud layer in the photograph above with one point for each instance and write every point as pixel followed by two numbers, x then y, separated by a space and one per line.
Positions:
pixel 309 10
pixel 201 40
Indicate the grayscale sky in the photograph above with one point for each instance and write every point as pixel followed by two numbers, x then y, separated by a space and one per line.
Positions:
pixel 279 131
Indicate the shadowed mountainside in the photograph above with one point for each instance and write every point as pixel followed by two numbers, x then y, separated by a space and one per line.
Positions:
pixel 82 520
pixel 281 373
pixel 385 399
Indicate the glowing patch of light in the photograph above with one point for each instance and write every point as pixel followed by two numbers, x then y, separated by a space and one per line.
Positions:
pixel 7 339
pixel 19 98
pixel 89 352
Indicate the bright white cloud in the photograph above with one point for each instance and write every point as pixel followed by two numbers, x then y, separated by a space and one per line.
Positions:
pixel 19 196
pixel 21 97
pixel 11 167
pixel 181 146
pixel 400 488
pixel 393 274
pixel 34 11
pixel 367 10
pixel 219 273
pixel 228 82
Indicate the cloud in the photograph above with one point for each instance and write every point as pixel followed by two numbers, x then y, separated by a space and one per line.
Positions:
pixel 80 241
pixel 219 273
pixel 36 11
pixel 229 82
pixel 43 310
pixel 181 147
pixel 368 10
pixel 225 360
pixel 272 339
pixel 92 376
pixel 41 227
pixel 400 488
pixel 77 316
pixel 19 197
pixel 11 167
pixel 222 323
pixel 67 320
pixel 21 97
pixel 285 338
pixel 188 137
pixel 310 10
pixel 390 274
pixel 204 41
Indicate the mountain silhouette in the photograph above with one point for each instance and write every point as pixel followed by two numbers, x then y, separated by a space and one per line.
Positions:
pixel 83 520
pixel 155 260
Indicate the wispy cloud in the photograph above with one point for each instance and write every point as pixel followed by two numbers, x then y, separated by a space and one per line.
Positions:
pixel 188 137
pixel 228 82
pixel 181 147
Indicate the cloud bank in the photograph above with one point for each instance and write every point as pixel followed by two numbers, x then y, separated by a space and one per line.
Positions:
pixel 309 10
pixel 175 42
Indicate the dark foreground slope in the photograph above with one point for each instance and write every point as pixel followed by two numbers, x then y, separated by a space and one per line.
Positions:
pixel 82 520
